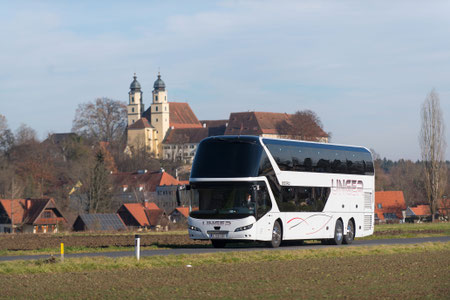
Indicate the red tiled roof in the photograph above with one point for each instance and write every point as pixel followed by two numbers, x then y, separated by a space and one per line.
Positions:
pixel 421 210
pixel 167 179
pixel 185 210
pixel 150 180
pixel 137 210
pixel 391 202
pixel 182 116
pixel 28 211
pixel 186 135
pixel 154 216
pixel 151 205
pixel 140 124
pixel 444 206
pixel 258 123
pixel 18 208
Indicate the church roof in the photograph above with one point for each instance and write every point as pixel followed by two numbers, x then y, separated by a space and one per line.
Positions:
pixel 159 84
pixel 135 85
pixel 140 124
pixel 185 135
pixel 182 116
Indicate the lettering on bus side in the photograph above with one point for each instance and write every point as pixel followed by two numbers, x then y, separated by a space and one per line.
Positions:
pixel 217 223
pixel 348 186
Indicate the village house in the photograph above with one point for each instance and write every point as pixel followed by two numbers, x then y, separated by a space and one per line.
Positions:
pixel 143 216
pixel 180 214
pixel 158 187
pixel 390 207
pixel 418 213
pixel 30 216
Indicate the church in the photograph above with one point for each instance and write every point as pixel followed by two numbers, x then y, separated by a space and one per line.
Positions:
pixel 168 130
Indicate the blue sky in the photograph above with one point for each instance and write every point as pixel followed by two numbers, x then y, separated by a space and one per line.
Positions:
pixel 364 67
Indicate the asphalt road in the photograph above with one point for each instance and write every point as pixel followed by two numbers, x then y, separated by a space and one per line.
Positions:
pixel 230 248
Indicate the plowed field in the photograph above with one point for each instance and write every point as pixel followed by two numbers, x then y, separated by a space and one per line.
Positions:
pixel 45 241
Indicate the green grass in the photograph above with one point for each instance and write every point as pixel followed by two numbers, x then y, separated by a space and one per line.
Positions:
pixel 104 263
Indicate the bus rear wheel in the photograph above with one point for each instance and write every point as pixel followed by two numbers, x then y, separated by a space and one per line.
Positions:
pixel 218 243
pixel 350 236
pixel 276 235
pixel 338 233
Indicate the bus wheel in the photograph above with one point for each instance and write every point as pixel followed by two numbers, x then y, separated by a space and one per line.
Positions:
pixel 350 236
pixel 338 233
pixel 276 235
pixel 218 243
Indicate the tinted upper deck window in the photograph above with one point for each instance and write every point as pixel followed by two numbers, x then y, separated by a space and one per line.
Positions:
pixel 227 157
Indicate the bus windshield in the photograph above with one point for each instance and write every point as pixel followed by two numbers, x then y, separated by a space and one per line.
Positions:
pixel 231 200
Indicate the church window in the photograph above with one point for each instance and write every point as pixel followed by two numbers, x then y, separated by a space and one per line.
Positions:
pixel 156 108
pixel 165 98
pixel 156 120
pixel 133 121
pixel 132 109
pixel 156 98
pixel 165 108
pixel 132 99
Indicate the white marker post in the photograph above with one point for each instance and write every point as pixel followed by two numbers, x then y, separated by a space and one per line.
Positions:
pixel 137 246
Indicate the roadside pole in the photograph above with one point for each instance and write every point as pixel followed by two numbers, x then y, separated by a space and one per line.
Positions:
pixel 62 252
pixel 137 246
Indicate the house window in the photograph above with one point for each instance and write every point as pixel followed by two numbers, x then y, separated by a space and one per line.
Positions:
pixel 379 205
pixel 47 214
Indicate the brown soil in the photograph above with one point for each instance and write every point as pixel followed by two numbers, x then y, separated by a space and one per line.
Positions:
pixel 394 276
pixel 40 241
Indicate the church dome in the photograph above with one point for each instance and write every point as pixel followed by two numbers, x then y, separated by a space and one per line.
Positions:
pixel 135 85
pixel 159 85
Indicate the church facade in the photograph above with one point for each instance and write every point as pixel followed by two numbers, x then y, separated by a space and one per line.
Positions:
pixel 148 128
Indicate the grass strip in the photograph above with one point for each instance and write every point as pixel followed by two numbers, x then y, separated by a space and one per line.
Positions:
pixel 53 265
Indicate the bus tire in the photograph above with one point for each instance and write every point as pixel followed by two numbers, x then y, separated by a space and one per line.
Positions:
pixel 338 233
pixel 218 243
pixel 350 236
pixel 276 235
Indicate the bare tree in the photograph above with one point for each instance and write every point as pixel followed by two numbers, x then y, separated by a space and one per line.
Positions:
pixel 432 145
pixel 303 125
pixel 25 134
pixel 6 136
pixel 102 120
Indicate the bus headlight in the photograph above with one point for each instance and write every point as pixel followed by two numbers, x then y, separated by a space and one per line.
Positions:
pixel 244 228
pixel 190 227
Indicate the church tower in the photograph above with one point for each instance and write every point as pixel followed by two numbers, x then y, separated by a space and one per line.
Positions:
pixel 160 111
pixel 135 104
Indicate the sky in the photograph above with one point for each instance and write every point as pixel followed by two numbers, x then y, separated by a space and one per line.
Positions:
pixel 364 67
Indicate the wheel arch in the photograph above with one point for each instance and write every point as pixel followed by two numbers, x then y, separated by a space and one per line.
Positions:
pixel 281 225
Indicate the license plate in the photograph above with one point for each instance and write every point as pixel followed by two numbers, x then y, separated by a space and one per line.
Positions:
pixel 218 235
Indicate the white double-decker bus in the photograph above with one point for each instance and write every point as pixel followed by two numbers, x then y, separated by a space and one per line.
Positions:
pixel 273 190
